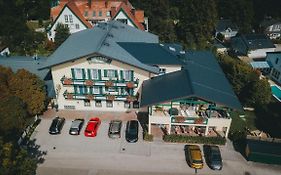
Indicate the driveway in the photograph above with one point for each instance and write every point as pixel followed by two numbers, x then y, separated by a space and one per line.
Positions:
pixel 66 154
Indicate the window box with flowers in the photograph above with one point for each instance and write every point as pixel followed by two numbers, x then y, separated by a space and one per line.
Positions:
pixel 90 97
pixel 109 83
pixel 110 97
pixel 130 98
pixel 130 85
pixel 89 82
pixel 67 81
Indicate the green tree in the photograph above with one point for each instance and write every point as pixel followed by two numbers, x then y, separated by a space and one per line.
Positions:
pixel 260 93
pixel 62 33
pixel 5 75
pixel 30 89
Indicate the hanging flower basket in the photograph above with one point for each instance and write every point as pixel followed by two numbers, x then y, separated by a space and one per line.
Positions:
pixel 130 98
pixel 89 82
pixel 69 96
pixel 130 85
pixel 90 97
pixel 108 83
pixel 67 81
pixel 179 119
pixel 110 97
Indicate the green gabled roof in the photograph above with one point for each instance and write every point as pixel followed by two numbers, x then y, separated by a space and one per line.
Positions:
pixel 202 78
pixel 102 39
pixel 151 53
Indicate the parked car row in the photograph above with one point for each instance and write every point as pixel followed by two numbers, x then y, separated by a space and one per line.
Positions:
pixel 93 124
pixel 212 156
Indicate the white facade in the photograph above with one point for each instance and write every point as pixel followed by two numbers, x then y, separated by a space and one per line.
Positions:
pixel 275 61
pixel 67 17
pixel 274 31
pixel 64 70
pixel 228 33
pixel 5 52
pixel 122 17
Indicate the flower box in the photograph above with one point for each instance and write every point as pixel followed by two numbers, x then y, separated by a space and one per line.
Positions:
pixel 108 83
pixel 110 97
pixel 130 98
pixel 90 97
pixel 130 85
pixel 89 82
pixel 67 81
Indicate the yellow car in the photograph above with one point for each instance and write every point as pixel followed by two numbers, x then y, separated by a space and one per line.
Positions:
pixel 194 156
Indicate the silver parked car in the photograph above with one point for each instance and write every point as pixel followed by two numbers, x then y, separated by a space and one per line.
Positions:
pixel 76 126
pixel 114 130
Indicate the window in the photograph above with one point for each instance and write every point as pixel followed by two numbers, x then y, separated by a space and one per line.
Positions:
pixel 82 90
pixel 275 73
pixel 128 75
pixel 111 73
pixel 96 90
pixel 277 60
pixel 86 13
pixel 125 21
pixel 100 13
pixel 69 107
pixel 94 74
pixel 162 71
pixel 108 13
pixel 77 26
pixel 126 104
pixel 66 25
pixel 66 18
pixel 94 13
pixel 78 73
pixel 109 104
pixel 87 103
pixel 70 19
pixel 98 103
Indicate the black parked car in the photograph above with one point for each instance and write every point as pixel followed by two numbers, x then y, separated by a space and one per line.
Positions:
pixel 76 126
pixel 213 157
pixel 132 130
pixel 56 125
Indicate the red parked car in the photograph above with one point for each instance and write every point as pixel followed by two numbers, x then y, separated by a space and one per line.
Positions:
pixel 92 127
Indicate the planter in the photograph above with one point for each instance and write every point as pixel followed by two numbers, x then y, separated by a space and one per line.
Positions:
pixel 108 83
pixel 110 97
pixel 67 81
pixel 69 96
pixel 130 85
pixel 199 121
pixel 179 119
pixel 130 98
pixel 90 97
pixel 89 82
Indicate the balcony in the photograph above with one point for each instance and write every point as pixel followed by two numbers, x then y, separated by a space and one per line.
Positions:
pixel 111 97
pixel 105 81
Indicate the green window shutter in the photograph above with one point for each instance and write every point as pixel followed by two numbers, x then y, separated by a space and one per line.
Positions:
pixel 73 73
pixel 132 75
pixel 105 73
pixel 86 90
pixel 83 74
pixel 116 74
pixel 100 90
pixel 75 89
pixel 99 73
pixel 122 91
pixel 121 75
pixel 91 90
pixel 89 74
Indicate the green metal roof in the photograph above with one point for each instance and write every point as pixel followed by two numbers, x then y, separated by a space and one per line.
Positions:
pixel 102 39
pixel 152 53
pixel 201 78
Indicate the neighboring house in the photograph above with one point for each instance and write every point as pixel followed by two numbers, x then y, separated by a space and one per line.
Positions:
pixel 252 45
pixel 262 66
pixel 82 14
pixel 115 67
pixel 226 28
pixel 272 28
pixel 4 51
pixel 274 60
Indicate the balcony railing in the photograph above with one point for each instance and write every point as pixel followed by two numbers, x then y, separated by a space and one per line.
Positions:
pixel 101 82
pixel 189 120
pixel 111 97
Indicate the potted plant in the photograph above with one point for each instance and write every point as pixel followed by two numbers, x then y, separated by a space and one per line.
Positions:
pixel 108 83
pixel 89 82
pixel 90 97
pixel 179 119
pixel 199 120
pixel 69 96
pixel 130 85
pixel 130 98
pixel 67 81
pixel 110 97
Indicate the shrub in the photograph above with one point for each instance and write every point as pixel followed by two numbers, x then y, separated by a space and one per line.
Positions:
pixel 194 139
pixel 147 137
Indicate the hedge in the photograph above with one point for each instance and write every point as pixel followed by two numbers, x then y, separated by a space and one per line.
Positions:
pixel 147 137
pixel 194 139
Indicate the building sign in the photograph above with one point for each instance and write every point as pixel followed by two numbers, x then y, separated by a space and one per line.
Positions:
pixel 99 60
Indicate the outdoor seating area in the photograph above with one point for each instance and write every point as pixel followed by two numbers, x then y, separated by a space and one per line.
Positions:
pixel 193 131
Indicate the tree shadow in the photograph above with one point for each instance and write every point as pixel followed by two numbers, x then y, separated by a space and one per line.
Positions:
pixel 35 152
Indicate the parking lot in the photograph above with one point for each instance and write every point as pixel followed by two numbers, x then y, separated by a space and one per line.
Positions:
pixel 67 154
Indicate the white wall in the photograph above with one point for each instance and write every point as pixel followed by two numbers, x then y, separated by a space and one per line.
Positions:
pixel 65 70
pixel 71 25
pixel 121 15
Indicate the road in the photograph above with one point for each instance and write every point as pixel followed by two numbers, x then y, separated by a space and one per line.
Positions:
pixel 71 155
